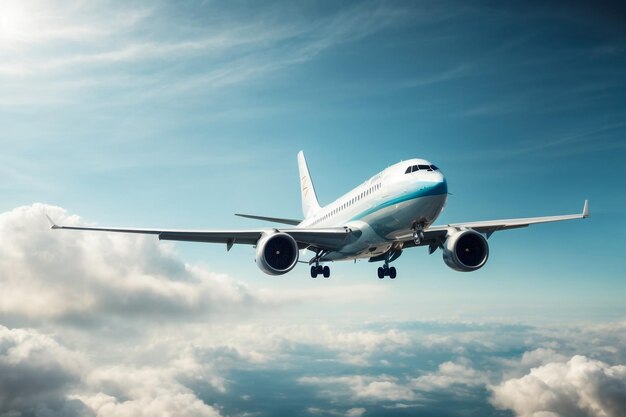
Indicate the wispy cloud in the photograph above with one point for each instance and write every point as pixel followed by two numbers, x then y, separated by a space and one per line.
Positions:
pixel 230 51
pixel 571 140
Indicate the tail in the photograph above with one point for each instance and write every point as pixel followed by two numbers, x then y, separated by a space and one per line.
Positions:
pixel 309 198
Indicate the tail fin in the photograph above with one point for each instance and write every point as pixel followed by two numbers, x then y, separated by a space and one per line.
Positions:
pixel 309 198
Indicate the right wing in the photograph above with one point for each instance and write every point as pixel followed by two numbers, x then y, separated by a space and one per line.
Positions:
pixel 437 234
pixel 331 238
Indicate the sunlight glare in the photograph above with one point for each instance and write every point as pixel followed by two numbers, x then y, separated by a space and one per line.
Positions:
pixel 20 21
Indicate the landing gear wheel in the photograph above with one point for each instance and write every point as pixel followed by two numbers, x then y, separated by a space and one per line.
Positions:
pixel 313 271
pixel 320 269
pixel 381 273
pixel 326 272
pixel 392 272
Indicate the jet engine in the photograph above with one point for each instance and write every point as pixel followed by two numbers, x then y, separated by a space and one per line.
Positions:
pixel 465 250
pixel 276 253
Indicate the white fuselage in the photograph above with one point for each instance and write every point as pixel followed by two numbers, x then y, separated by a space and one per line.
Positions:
pixel 386 206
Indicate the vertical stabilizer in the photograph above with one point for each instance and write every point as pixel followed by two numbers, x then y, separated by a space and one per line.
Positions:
pixel 309 198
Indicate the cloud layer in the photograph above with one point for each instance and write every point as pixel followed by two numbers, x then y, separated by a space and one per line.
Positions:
pixel 97 324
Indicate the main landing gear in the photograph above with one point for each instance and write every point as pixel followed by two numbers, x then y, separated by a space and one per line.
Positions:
pixel 385 270
pixel 318 269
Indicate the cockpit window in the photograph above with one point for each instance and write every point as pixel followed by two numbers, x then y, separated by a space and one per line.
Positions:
pixel 421 167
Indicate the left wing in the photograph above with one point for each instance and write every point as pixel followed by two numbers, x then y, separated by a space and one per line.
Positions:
pixel 436 234
pixel 327 238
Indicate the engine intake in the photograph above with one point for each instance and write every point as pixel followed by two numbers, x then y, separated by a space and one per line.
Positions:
pixel 276 253
pixel 465 250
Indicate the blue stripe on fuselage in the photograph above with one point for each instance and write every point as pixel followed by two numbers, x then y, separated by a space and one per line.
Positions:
pixel 437 189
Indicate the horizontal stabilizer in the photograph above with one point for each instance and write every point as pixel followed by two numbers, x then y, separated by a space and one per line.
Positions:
pixel 293 222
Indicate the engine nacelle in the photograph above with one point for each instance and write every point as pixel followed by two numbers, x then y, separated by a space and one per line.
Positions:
pixel 465 250
pixel 276 253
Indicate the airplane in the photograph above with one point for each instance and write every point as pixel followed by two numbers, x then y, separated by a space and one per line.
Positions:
pixel 392 211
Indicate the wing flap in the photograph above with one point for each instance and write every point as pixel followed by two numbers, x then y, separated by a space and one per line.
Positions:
pixel 327 239
pixel 229 237
pixel 332 238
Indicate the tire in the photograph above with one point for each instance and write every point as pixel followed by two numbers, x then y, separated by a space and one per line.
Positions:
pixel 392 272
pixel 326 272
pixel 381 273
pixel 313 271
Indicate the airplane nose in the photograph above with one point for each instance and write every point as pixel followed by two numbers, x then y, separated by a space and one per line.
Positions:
pixel 440 185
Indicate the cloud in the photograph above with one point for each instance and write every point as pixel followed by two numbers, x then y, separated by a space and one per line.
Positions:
pixel 352 412
pixel 82 49
pixel 540 356
pixel 261 342
pixel 365 388
pixel 76 277
pixel 40 377
pixel 448 375
pixel 355 412
pixel 579 387
pixel 127 391
pixel 36 374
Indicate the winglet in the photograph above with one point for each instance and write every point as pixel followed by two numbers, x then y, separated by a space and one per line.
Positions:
pixel 53 225
pixel 586 209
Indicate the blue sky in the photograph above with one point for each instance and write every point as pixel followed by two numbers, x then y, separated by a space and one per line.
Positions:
pixel 153 114
pixel 177 115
